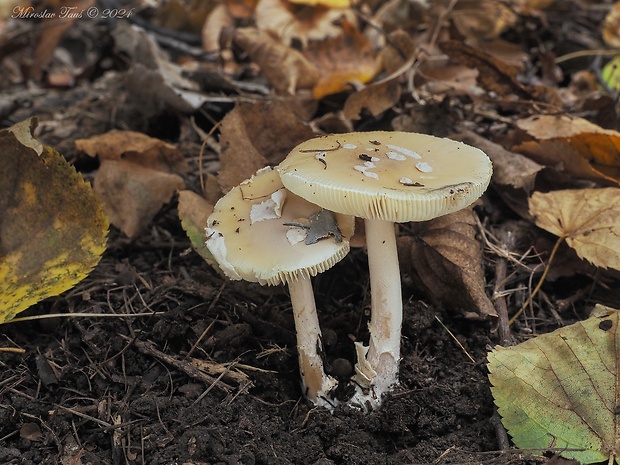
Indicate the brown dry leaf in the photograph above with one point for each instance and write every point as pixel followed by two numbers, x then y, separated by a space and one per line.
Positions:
pixel 51 33
pixel 589 220
pixel 384 94
pixel 509 168
pixel 451 80
pixel 153 81
pixel 288 21
pixel 444 258
pixel 376 98
pixel 348 58
pixel 482 19
pixel 579 147
pixel 399 49
pixel 254 135
pixel 494 75
pixel 219 19
pixel 137 175
pixel 611 27
pixel 324 3
pixel 286 69
pixel 187 16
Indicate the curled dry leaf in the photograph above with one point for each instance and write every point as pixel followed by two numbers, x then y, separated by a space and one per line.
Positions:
pixel 560 391
pixel 342 60
pixel 153 81
pixel 137 175
pixel 482 19
pixel 303 23
pixel 384 94
pixel 52 227
pixel 509 168
pixel 583 149
pixel 444 258
pixel 611 27
pixel 589 220
pixel 494 75
pixel 250 140
pixel 286 69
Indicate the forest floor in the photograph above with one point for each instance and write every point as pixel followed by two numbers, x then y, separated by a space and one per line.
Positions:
pixel 210 375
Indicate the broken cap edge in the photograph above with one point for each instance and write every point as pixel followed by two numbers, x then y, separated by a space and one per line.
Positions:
pixel 236 244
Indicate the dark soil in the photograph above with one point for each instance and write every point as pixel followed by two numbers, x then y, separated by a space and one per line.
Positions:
pixel 116 391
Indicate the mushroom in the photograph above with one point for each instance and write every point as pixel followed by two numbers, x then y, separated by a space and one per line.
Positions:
pixel 385 177
pixel 262 233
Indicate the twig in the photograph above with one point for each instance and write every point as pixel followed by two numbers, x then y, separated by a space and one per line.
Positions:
pixel 456 340
pixel 85 315
pixel 186 367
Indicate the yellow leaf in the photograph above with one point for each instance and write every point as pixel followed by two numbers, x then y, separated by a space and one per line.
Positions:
pixel 285 68
pixel 611 73
pixel 342 60
pixel 581 148
pixel 325 3
pixel 52 227
pixel 589 220
pixel 560 391
pixel 137 176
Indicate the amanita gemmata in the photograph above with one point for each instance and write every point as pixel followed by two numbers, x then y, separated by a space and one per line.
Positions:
pixel 262 233
pixel 287 225
pixel 385 178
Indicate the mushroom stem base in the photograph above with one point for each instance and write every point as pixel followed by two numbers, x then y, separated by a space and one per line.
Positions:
pixel 381 364
pixel 315 383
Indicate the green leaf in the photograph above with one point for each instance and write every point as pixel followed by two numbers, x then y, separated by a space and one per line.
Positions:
pixel 561 390
pixel 611 73
pixel 52 227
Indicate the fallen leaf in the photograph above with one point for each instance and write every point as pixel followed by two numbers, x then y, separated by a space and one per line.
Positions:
pixel 384 94
pixel 153 82
pixel 134 147
pixel 482 19
pixel 52 227
pixel 194 211
pixel 509 168
pixel 589 220
pixel 444 258
pixel 136 177
pixel 398 51
pixel 289 22
pixel 251 141
pixel 494 75
pixel 51 33
pixel 218 19
pixel 183 16
pixel 611 27
pixel 611 73
pixel 324 3
pixel 286 69
pixel 342 60
pixel 581 148
pixel 376 98
pixel 560 391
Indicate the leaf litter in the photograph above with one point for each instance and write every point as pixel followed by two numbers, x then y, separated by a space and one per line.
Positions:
pixel 462 69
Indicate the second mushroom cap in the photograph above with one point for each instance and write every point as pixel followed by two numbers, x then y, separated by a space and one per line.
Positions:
pixel 391 176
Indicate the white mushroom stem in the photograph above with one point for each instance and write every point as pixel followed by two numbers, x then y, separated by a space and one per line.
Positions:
pixel 386 306
pixel 315 382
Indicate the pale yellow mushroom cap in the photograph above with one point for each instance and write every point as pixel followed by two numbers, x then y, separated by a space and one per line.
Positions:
pixel 392 176
pixel 247 236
